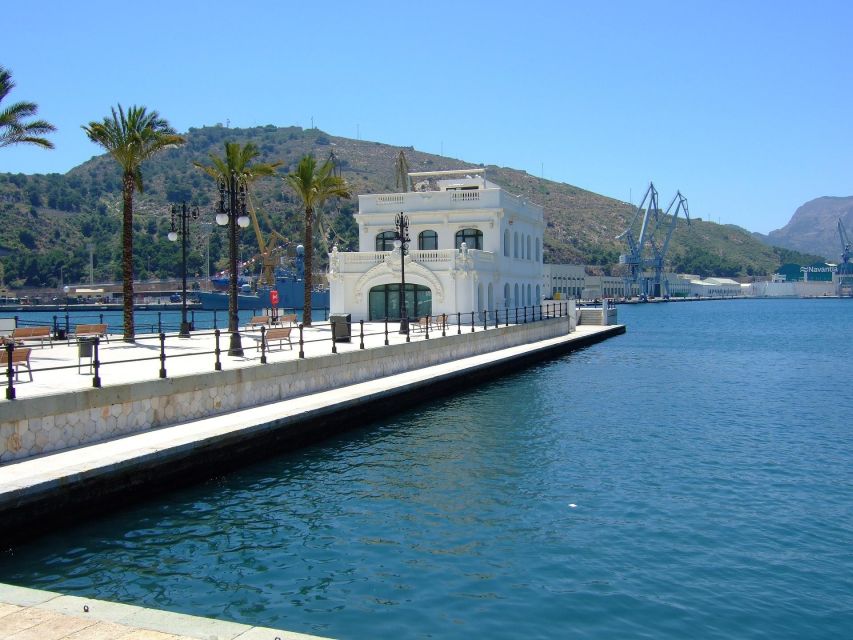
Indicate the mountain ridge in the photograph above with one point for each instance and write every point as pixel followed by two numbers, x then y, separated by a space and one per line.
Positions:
pixel 51 218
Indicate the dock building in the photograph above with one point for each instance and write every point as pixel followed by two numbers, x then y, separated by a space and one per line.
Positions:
pixel 473 247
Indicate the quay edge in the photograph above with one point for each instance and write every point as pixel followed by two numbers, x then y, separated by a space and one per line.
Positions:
pixel 63 487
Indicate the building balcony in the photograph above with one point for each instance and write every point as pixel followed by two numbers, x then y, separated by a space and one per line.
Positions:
pixel 447 201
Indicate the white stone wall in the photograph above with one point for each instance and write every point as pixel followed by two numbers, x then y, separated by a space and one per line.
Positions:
pixel 34 426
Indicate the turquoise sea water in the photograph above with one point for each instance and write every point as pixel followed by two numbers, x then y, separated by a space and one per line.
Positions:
pixel 692 478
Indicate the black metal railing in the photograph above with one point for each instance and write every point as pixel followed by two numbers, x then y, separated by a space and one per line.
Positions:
pixel 419 327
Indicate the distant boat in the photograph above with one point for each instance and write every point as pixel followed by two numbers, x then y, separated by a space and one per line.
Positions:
pixel 291 295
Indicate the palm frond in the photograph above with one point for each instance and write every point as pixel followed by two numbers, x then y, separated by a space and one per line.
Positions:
pixel 13 127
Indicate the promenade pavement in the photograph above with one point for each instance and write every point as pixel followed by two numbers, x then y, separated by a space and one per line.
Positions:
pixel 58 369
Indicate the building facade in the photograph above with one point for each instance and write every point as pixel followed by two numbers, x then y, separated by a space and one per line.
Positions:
pixel 473 247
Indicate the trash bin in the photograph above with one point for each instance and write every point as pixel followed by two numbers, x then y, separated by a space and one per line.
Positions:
pixel 341 326
pixel 85 347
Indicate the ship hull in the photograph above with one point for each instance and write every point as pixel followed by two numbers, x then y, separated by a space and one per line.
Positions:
pixel 290 296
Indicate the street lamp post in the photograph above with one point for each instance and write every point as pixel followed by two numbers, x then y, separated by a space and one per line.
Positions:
pixel 184 212
pixel 401 242
pixel 233 213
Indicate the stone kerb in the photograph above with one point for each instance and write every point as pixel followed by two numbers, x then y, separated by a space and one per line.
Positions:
pixel 35 426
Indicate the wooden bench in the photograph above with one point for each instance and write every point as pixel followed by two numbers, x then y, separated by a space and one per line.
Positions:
pixel 258 321
pixel 20 358
pixel 91 331
pixel 31 334
pixel 277 333
pixel 289 319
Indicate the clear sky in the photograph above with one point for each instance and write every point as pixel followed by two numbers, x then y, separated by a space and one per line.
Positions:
pixel 745 106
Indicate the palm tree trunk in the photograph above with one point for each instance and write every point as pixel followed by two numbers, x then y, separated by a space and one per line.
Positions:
pixel 128 185
pixel 308 242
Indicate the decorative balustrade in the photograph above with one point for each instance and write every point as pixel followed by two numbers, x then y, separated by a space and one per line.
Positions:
pixel 424 256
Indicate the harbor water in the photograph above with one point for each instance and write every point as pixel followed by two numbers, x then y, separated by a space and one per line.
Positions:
pixel 692 478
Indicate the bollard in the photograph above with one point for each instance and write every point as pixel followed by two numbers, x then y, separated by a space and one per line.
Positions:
pixel 162 354
pixel 216 349
pixel 443 325
pixel 386 331
pixel 472 322
pixel 10 371
pixel 426 329
pixel 361 334
pixel 459 323
pixel 96 379
pixel 301 342
pixel 263 344
pixel 334 345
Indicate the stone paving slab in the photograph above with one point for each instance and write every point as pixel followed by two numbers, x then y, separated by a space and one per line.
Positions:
pixel 32 614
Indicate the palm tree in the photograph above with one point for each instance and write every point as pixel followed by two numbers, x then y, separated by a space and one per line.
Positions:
pixel 235 172
pixel 13 129
pixel 314 186
pixel 131 138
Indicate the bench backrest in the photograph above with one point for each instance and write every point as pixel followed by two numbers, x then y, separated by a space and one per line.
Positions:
pixel 90 328
pixel 259 320
pixel 21 354
pixel 278 334
pixel 291 317
pixel 31 332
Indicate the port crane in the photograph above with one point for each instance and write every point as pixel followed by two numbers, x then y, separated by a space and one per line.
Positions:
pixel 647 250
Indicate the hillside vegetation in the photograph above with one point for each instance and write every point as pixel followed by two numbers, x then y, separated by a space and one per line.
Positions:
pixel 51 220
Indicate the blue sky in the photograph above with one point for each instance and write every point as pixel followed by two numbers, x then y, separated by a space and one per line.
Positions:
pixel 743 106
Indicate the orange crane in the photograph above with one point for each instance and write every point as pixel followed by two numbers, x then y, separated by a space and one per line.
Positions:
pixel 269 251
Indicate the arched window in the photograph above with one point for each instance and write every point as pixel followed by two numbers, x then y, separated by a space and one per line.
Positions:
pixel 427 240
pixel 506 243
pixel 515 244
pixel 471 237
pixel 506 295
pixel 538 251
pixel 529 253
pixel 385 241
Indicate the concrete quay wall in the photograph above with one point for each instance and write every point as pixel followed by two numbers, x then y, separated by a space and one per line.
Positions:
pixel 35 426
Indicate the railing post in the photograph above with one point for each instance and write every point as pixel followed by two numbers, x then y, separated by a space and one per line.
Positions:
pixel 301 342
pixel 263 344
pixel 67 326
pixel 386 331
pixel 101 318
pixel 459 323
pixel 426 328
pixel 55 324
pixel 485 319
pixel 10 371
pixel 443 325
pixel 215 322
pixel 472 322
pixel 162 354
pixel 160 324
pixel 216 349
pixel 409 330
pixel 516 315
pixel 334 346
pixel 361 334
pixel 96 379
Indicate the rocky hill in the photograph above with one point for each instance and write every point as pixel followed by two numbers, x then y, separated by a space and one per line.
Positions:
pixel 50 220
pixel 813 227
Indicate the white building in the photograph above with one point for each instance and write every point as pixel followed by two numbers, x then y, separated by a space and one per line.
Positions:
pixel 473 247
